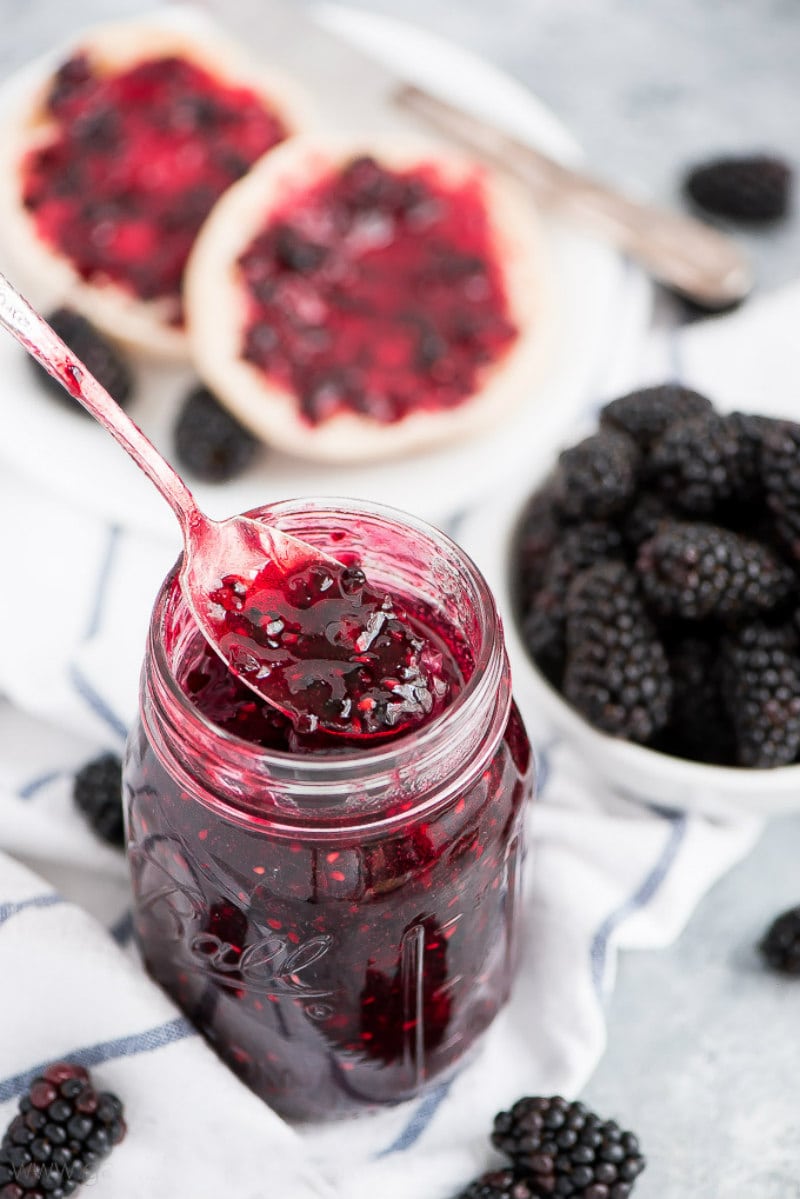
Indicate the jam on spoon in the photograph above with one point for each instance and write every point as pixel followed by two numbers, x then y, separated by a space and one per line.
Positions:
pixel 331 651
pixel 306 633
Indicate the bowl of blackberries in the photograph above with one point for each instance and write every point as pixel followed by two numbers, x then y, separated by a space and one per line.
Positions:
pixel 651 592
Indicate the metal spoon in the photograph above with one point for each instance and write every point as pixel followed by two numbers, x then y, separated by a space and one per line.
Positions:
pixel 237 546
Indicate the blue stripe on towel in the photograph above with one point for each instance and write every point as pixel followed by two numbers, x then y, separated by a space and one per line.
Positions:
pixel 418 1122
pixel 122 931
pixel 103 578
pixel 34 785
pixel 10 909
pixel 453 524
pixel 679 824
pixel 95 701
pixel 543 760
pixel 7 910
pixel 105 1051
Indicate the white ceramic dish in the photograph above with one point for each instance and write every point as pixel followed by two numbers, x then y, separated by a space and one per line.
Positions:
pixel 634 771
pixel 71 458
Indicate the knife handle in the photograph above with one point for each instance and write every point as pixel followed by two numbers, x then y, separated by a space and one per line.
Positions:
pixel 679 251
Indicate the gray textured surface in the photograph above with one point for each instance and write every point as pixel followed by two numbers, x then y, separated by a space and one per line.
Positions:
pixel 702 1044
pixel 702 1057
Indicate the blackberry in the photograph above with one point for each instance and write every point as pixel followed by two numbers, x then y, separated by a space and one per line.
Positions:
pixel 761 686
pixel 544 623
pixel 597 477
pixel 97 791
pixel 780 945
pixel 698 570
pixel 780 471
pixel 616 673
pixel 787 535
pixel 645 516
pixel 62 1131
pixel 565 1149
pixel 646 414
pixel 543 635
pixel 210 442
pixel 582 546
pixel 96 353
pixel 753 188
pixel 536 535
pixel 499 1184
pixel 750 431
pixel 699 728
pixel 698 463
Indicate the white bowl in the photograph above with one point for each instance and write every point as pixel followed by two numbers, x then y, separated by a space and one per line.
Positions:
pixel 632 770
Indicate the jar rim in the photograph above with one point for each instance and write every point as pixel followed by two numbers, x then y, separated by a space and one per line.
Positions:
pixel 330 770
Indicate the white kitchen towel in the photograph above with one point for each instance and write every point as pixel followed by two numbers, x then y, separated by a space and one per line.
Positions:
pixel 604 873
pixel 67 989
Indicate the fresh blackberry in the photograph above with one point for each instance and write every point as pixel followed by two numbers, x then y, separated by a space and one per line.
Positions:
pixel 761 686
pixel 543 635
pixel 698 463
pixel 96 353
pixel 536 535
pixel 565 1149
pixel 63 1130
pixel 210 442
pixel 582 546
pixel 499 1184
pixel 750 431
pixel 753 188
pixel 780 945
pixel 645 516
pixel 787 535
pixel 597 477
pixel 544 624
pixel 699 727
pixel 646 414
pixel 695 571
pixel 97 791
pixel 780 471
pixel 616 673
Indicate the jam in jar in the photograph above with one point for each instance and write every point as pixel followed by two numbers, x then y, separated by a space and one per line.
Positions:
pixel 337 916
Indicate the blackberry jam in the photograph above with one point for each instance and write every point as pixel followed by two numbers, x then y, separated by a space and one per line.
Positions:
pixel 133 163
pixel 377 291
pixel 337 916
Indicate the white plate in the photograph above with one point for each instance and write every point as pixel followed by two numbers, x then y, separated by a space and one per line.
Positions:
pixel 67 454
pixel 631 770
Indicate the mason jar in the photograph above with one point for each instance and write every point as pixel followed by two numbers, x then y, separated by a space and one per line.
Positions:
pixel 341 926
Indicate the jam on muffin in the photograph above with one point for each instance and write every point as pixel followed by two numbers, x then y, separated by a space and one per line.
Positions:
pixel 116 159
pixel 351 301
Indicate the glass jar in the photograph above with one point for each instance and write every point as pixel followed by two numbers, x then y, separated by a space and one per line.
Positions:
pixel 341 927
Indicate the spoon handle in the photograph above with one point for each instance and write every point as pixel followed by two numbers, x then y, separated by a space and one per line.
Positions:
pixel 42 343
